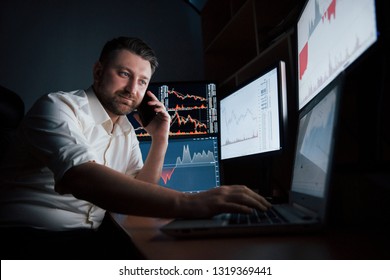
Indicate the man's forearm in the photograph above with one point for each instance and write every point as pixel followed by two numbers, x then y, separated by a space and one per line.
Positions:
pixel 151 172
pixel 118 192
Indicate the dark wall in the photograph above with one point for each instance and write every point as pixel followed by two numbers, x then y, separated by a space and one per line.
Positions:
pixel 49 45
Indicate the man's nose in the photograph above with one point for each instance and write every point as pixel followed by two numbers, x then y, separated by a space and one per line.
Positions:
pixel 131 87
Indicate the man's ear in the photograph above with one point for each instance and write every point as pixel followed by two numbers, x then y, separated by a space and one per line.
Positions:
pixel 97 71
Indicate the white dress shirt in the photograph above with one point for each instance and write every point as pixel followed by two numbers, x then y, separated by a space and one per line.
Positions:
pixel 62 130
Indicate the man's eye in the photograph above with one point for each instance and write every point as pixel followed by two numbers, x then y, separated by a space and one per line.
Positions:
pixel 143 82
pixel 124 74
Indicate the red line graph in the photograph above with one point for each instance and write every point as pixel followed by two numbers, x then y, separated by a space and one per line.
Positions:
pixel 187 96
pixel 184 120
pixel 167 174
pixel 182 107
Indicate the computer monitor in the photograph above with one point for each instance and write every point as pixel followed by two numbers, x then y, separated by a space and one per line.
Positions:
pixel 253 117
pixel 190 165
pixel 191 105
pixel 331 34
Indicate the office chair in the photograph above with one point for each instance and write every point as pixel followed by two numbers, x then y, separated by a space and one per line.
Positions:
pixel 11 114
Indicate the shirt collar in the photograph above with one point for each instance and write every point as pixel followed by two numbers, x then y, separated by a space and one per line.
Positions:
pixel 100 115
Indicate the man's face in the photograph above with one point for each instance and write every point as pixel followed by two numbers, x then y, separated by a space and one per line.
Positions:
pixel 120 83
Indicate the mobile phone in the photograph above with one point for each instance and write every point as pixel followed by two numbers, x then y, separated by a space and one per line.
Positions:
pixel 145 111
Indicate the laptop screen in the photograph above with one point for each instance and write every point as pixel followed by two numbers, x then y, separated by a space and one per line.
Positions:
pixel 314 148
pixel 190 165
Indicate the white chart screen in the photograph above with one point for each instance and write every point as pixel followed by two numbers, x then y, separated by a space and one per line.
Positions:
pixel 249 118
pixel 331 35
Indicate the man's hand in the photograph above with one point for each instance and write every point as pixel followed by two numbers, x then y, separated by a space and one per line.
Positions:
pixel 158 128
pixel 224 199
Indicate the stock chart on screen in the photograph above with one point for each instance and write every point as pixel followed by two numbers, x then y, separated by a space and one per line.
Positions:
pixel 191 164
pixel 331 34
pixel 191 105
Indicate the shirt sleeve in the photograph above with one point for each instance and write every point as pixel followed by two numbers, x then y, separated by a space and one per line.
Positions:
pixel 54 134
pixel 136 160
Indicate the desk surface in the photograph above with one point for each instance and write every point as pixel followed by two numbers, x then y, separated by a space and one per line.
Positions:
pixel 329 244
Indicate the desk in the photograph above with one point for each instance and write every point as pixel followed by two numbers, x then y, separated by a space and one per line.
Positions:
pixel 328 244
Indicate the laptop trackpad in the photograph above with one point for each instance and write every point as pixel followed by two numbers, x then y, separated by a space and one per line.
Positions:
pixel 292 214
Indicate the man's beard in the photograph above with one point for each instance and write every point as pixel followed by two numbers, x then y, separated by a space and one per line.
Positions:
pixel 116 105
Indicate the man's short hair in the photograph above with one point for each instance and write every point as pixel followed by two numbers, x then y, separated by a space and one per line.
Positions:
pixel 134 45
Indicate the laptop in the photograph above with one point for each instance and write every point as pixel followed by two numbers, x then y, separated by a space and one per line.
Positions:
pixel 307 206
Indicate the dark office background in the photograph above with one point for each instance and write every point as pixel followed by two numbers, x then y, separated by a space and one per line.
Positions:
pixel 50 45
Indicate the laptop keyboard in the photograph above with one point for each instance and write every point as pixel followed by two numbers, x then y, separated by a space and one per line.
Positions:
pixel 256 217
